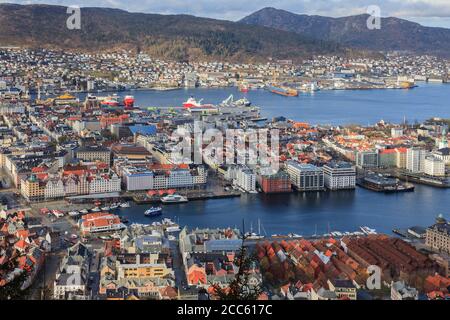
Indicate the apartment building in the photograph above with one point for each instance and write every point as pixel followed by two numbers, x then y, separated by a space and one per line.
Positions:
pixel 415 160
pixel 93 153
pixel 157 177
pixel 438 235
pixel 339 175
pixel 305 177
pixel 434 167
pixel 276 183
pixel 245 179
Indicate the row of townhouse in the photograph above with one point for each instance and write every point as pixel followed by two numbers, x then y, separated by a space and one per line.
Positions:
pixel 163 177
pixel 39 187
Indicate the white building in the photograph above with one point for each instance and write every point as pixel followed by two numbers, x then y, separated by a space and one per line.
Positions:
pixel 396 132
pixel 443 154
pixel 136 178
pixel 54 189
pixel 339 175
pixel 143 178
pixel 246 179
pixel 305 177
pixel 104 183
pixel 434 167
pixel 415 160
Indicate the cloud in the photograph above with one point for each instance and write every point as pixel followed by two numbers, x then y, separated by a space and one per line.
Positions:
pixel 419 10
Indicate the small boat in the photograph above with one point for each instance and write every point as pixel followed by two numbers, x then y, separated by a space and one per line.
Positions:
pixel 84 211
pixel 174 199
pixel 74 214
pixel 153 212
pixel 106 208
pixel 253 236
pixel 125 205
pixel 368 231
pixel 173 229
pixel 96 209
pixel 58 213
pixel 294 236
pixel 114 206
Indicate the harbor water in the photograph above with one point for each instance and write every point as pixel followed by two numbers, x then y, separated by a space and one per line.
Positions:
pixel 316 213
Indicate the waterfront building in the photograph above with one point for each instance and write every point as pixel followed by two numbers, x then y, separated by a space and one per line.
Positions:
pixel 137 178
pixel 93 153
pixel 438 235
pixel 246 179
pixel 401 158
pixel 104 183
pixel 400 291
pixel 305 177
pixel 275 183
pixel 434 167
pixel 388 158
pixel 415 160
pixel 443 154
pixel 367 159
pixel 157 177
pixel 339 175
pixel 100 222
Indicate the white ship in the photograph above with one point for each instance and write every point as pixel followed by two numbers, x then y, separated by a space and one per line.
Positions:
pixel 174 199
pixel 368 230
pixel 125 205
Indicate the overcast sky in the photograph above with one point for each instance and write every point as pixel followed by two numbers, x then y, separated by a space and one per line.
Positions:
pixel 427 12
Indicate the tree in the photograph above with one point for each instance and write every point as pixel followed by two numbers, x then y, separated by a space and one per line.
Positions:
pixel 240 288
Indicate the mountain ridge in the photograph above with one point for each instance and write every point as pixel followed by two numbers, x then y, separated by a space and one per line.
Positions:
pixel 178 37
pixel 395 34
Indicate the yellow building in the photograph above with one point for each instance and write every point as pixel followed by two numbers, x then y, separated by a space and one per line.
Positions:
pixel 32 189
pixel 126 271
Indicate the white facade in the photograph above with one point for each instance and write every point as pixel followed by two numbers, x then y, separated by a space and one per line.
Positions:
pixel 434 167
pixel 136 179
pixel 443 154
pixel 146 179
pixel 339 176
pixel 54 189
pixel 102 184
pixel 246 179
pixel 415 160
pixel 396 132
